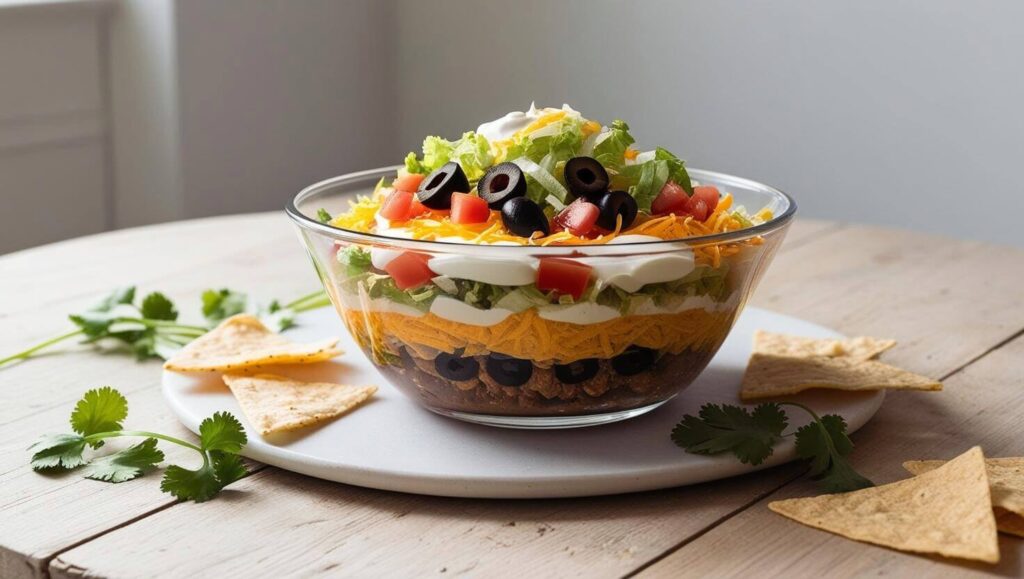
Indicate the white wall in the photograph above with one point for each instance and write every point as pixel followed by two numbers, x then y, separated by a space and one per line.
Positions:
pixel 53 134
pixel 892 112
pixel 277 94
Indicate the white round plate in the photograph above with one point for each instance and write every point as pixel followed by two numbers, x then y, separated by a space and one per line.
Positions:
pixel 392 443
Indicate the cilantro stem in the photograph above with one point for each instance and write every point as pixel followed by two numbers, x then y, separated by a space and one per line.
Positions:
pixel 144 434
pixel 26 353
pixel 317 299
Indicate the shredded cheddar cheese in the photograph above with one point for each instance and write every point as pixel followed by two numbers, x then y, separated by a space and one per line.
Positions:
pixel 527 335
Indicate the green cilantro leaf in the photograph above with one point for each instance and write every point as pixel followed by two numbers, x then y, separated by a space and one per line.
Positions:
pixel 124 295
pixel 198 485
pixel 228 468
pixel 125 464
pixel 323 216
pixel 99 410
pixel 156 306
pixel 825 445
pixel 727 428
pixel 55 451
pixel 222 432
pixel 218 305
pixel 93 324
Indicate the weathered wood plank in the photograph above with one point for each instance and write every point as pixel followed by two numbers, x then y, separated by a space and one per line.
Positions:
pixel 86 266
pixel 859 280
pixel 983 404
pixel 945 301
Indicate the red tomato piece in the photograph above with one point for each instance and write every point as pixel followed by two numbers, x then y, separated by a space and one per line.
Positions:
pixel 397 206
pixel 579 217
pixel 468 208
pixel 409 270
pixel 410 182
pixel 416 208
pixel 708 194
pixel 699 209
pixel 564 276
pixel 671 199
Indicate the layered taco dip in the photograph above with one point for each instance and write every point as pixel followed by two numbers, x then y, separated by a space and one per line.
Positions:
pixel 544 265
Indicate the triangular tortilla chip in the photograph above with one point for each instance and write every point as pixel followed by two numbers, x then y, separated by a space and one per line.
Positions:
pixel 860 348
pixel 1009 522
pixel 277 404
pixel 242 341
pixel 1006 481
pixel 946 511
pixel 768 376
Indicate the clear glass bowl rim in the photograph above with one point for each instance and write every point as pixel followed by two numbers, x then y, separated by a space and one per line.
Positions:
pixel 776 223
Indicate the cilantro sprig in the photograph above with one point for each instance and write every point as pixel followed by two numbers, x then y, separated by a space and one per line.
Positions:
pixel 224 303
pixel 99 415
pixel 150 328
pixel 751 437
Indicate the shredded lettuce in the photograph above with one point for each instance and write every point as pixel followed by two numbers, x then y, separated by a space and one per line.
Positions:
pixel 676 169
pixel 540 183
pixel 472 152
pixel 610 148
pixel 355 259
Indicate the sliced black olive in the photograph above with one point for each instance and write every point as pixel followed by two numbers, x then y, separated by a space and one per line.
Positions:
pixel 456 367
pixel 501 183
pixel 585 177
pixel 613 204
pixel 523 217
pixel 509 371
pixel 436 189
pixel 578 371
pixel 634 360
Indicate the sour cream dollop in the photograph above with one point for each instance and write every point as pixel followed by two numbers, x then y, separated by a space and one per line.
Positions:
pixel 512 123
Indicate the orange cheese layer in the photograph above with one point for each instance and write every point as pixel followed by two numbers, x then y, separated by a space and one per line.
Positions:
pixel 527 335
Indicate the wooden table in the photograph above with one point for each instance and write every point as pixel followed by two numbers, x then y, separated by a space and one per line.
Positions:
pixel 956 307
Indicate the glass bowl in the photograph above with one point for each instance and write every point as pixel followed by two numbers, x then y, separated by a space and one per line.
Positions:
pixel 506 361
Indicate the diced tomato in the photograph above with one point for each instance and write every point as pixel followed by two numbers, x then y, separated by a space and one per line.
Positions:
pixel 409 270
pixel 468 208
pixel 397 206
pixel 416 208
pixel 708 194
pixel 699 209
pixel 564 276
pixel 410 182
pixel 671 199
pixel 579 217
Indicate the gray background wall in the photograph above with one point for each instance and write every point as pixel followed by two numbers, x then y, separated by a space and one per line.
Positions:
pixel 902 113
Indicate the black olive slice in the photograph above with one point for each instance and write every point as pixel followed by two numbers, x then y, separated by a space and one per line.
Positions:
pixel 436 189
pixel 613 204
pixel 500 183
pixel 509 371
pixel 585 177
pixel 578 371
pixel 634 360
pixel 456 367
pixel 523 217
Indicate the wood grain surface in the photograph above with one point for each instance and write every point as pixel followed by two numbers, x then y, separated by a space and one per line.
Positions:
pixel 956 307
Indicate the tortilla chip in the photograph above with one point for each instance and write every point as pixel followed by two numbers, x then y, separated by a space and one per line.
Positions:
pixel 946 511
pixel 1006 482
pixel 242 341
pixel 861 348
pixel 1008 522
pixel 278 404
pixel 769 375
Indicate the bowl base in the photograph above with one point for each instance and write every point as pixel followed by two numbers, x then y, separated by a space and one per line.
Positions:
pixel 547 422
